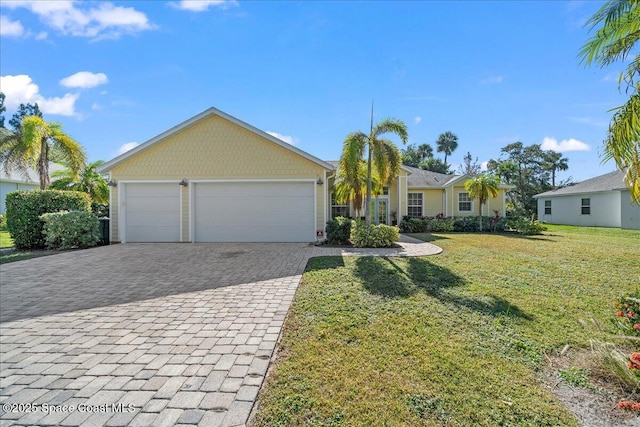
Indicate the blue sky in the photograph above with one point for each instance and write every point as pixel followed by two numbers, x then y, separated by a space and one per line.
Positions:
pixel 116 74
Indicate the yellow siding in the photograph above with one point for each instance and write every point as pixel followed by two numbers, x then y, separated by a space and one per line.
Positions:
pixel 432 202
pixel 215 148
pixel 494 203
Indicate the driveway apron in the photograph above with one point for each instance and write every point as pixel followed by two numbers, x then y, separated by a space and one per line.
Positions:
pixel 148 334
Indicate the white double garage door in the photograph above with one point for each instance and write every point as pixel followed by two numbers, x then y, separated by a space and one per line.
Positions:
pixel 236 211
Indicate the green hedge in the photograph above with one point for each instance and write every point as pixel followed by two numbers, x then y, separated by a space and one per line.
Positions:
pixel 373 236
pixel 339 230
pixel 24 209
pixel 441 224
pixel 69 230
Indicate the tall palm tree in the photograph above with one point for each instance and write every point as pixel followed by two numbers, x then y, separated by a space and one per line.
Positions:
pixel 553 161
pixel 447 143
pixel 37 145
pixel 381 155
pixel 482 187
pixel 89 181
pixel 616 37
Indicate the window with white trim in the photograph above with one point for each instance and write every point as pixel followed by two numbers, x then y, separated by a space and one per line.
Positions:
pixel 414 205
pixel 547 207
pixel 464 202
pixel 586 206
pixel 339 209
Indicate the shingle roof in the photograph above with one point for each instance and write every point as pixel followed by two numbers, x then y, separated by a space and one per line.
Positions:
pixel 420 178
pixel 607 182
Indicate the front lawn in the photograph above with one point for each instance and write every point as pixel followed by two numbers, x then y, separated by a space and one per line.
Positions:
pixel 5 240
pixel 456 339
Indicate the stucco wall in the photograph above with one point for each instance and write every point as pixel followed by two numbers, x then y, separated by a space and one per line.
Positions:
pixel 629 212
pixel 605 210
pixel 214 148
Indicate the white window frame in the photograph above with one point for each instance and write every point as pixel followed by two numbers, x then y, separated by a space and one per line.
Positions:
pixel 415 204
pixel 469 200
pixel 584 205
pixel 547 207
pixel 335 205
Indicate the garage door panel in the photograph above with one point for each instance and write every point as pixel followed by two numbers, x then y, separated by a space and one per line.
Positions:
pixel 152 212
pixel 254 212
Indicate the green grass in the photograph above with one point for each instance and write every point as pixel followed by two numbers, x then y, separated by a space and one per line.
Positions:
pixel 5 239
pixel 455 339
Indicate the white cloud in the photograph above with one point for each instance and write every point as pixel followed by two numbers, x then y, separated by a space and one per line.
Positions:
pixel 69 18
pixel 417 120
pixel 95 106
pixel 484 166
pixel 571 144
pixel 9 28
pixel 492 80
pixel 203 5
pixel 85 80
pixel 21 89
pixel 286 138
pixel 126 147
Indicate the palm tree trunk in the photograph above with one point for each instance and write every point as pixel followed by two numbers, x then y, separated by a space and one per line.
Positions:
pixel 43 165
pixel 367 209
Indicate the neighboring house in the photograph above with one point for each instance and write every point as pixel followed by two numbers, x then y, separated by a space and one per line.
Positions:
pixel 16 181
pixel 214 178
pixel 603 201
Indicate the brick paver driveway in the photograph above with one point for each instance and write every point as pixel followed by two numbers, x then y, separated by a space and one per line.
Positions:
pixel 146 334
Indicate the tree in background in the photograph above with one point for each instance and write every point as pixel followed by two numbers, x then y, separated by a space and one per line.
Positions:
pixel 88 180
pixel 2 110
pixel 553 161
pixel 530 170
pixel 376 153
pixel 414 156
pixel 617 35
pixel 482 187
pixel 447 143
pixel 470 166
pixel 36 145
pixel 436 165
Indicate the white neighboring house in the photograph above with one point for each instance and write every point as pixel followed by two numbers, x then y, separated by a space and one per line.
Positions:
pixel 603 201
pixel 16 181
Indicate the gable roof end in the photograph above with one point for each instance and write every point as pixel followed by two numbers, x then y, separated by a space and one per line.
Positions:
pixel 106 167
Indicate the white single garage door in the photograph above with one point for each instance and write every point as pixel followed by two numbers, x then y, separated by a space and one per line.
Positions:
pixel 254 212
pixel 152 212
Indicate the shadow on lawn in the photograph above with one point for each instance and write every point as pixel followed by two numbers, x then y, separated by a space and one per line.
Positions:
pixel 385 277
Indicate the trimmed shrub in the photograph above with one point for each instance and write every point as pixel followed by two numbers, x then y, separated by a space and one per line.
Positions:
pixel 3 222
pixel 25 207
pixel 526 226
pixel 69 230
pixel 101 210
pixel 442 225
pixel 373 236
pixel 414 225
pixel 339 230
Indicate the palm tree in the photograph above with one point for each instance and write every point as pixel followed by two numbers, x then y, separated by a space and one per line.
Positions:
pixel 553 162
pixel 447 143
pixel 37 145
pixel 616 38
pixel 482 187
pixel 381 155
pixel 89 181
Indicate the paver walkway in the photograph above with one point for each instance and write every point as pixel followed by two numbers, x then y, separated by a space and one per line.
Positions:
pixel 148 334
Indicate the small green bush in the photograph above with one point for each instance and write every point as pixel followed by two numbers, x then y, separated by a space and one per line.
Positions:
pixel 339 230
pixel 3 222
pixel 101 210
pixel 524 225
pixel 413 225
pixel 69 230
pixel 24 209
pixel 442 225
pixel 373 236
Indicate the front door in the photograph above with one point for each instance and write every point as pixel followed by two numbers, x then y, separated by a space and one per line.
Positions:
pixel 380 210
